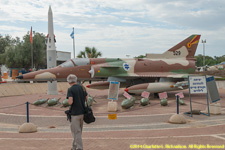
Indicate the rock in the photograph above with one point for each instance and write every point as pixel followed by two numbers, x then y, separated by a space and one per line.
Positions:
pixel 27 128
pixel 177 119
pixel 214 109
pixel 195 112
pixel 112 106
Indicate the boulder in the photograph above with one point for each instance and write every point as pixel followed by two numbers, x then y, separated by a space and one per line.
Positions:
pixel 112 106
pixel 177 119
pixel 214 108
pixel 27 128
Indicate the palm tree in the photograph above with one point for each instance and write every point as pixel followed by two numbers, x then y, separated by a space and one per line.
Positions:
pixel 89 53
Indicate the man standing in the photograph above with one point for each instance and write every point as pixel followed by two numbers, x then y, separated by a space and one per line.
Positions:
pixel 76 95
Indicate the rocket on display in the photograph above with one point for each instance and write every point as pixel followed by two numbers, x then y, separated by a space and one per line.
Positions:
pixel 51 49
pixel 51 52
pixel 156 73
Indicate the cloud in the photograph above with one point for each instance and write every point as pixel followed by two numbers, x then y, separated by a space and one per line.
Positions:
pixel 200 14
pixel 131 22
pixel 197 15
pixel 12 28
pixel 117 28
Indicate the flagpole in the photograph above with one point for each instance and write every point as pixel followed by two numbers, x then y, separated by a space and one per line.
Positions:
pixel 32 57
pixel 73 44
pixel 31 42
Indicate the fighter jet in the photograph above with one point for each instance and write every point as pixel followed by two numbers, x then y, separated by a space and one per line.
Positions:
pixel 155 73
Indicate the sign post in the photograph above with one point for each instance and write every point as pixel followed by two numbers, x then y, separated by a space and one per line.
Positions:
pixel 212 89
pixel 197 85
pixel 113 95
pixel 178 104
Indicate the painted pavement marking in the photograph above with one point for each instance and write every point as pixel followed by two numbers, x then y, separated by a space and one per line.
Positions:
pixel 219 137
pixel 116 138
pixel 95 116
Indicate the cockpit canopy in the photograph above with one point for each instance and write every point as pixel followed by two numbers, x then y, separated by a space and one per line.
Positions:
pixel 75 62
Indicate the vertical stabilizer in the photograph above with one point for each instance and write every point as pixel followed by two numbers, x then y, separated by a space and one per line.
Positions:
pixel 187 46
pixel 185 49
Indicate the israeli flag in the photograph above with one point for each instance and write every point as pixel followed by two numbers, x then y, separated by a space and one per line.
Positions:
pixel 72 35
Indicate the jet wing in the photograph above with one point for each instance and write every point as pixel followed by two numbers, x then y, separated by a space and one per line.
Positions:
pixel 155 74
pixel 110 67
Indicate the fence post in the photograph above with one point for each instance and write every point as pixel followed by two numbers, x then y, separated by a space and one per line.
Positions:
pixel 27 112
pixel 177 104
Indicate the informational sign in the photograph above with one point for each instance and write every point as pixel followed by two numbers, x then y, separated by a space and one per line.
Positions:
pixel 181 94
pixel 145 94
pixel 112 116
pixel 163 95
pixel 114 90
pixel 197 84
pixel 212 89
pixel 127 95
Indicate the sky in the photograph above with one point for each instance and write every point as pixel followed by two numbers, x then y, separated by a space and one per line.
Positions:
pixel 120 28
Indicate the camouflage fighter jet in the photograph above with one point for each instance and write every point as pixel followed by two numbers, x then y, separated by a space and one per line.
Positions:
pixel 155 73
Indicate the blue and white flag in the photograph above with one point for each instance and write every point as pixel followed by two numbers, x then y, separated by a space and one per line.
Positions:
pixel 72 35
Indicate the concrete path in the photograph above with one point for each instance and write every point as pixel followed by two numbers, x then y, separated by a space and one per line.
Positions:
pixel 137 128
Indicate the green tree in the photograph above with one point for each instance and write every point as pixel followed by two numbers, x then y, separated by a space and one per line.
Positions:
pixel 199 60
pixel 140 56
pixel 19 54
pixel 89 53
pixel 39 46
pixel 209 61
pixel 11 57
pixel 2 59
pixel 5 41
pixel 219 59
pixel 39 51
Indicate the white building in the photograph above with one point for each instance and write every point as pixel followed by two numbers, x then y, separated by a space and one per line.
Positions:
pixel 62 56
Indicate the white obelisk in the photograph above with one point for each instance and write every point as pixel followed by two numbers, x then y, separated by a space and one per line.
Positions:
pixel 51 53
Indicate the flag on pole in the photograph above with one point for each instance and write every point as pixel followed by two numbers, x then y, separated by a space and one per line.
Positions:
pixel 72 35
pixel 31 39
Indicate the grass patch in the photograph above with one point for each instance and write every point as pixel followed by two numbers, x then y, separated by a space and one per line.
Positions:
pixel 220 79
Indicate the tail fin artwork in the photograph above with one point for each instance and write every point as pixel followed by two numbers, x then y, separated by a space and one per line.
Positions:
pixel 185 49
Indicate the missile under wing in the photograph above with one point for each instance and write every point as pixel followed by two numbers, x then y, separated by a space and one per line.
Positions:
pixel 155 73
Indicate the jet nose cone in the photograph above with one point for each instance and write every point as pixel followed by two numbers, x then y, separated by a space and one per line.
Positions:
pixel 20 77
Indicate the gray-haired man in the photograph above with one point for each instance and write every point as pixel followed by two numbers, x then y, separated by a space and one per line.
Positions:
pixel 76 95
